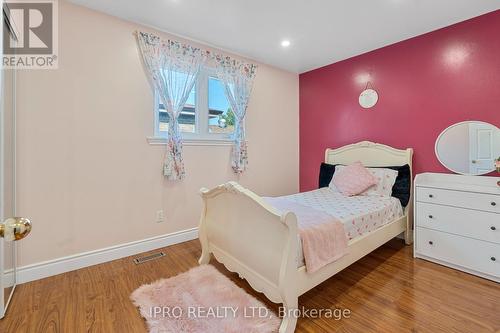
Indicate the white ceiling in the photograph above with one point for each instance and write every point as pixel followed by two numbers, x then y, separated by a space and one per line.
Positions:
pixel 320 31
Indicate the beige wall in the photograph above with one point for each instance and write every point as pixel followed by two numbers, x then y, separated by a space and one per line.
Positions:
pixel 86 175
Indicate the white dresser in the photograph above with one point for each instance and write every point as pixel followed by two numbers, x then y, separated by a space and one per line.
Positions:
pixel 457 222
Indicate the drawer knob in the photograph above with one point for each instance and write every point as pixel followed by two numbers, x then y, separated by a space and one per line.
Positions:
pixel 431 196
pixel 493 203
pixel 493 259
pixel 431 242
pixel 431 217
pixel 493 228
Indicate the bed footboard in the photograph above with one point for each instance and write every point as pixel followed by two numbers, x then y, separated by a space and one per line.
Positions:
pixel 253 239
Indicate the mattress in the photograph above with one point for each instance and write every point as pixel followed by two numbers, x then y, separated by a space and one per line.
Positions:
pixel 359 214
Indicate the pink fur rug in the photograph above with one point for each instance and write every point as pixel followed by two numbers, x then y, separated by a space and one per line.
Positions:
pixel 202 300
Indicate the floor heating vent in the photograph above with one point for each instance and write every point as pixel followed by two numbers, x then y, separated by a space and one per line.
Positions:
pixel 153 256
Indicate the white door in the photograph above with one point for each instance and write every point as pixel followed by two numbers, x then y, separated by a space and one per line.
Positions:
pixel 484 146
pixel 11 228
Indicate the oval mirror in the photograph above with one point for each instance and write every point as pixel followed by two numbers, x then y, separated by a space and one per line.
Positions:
pixel 469 147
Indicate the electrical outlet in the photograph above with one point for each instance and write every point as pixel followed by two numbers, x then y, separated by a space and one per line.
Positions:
pixel 159 216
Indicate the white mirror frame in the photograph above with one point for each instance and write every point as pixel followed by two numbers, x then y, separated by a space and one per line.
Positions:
pixel 443 132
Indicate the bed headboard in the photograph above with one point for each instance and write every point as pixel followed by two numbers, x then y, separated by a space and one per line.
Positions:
pixel 370 154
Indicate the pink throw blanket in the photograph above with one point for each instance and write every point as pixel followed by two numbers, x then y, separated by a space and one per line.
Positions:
pixel 323 236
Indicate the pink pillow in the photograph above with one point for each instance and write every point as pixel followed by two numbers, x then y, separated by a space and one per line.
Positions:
pixel 353 179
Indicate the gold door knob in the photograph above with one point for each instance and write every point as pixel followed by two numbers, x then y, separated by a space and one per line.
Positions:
pixel 15 228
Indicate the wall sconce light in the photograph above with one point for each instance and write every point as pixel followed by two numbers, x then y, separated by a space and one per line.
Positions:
pixel 368 97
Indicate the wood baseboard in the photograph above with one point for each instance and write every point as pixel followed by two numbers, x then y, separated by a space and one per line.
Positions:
pixel 70 263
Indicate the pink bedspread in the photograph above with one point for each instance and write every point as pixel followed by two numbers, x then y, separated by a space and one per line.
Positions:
pixel 323 236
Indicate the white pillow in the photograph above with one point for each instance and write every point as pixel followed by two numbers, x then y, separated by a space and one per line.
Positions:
pixel 385 181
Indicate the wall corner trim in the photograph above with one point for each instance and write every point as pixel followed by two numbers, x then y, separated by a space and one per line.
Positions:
pixel 70 263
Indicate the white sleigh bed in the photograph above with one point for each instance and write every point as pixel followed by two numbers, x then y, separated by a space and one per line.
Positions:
pixel 260 243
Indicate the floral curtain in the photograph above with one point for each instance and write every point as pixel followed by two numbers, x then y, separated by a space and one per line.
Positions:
pixel 173 68
pixel 238 80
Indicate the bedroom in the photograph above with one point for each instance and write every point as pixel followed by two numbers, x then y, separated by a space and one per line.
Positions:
pixel 85 158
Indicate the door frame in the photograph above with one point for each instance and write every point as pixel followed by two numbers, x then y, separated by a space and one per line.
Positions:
pixel 13 273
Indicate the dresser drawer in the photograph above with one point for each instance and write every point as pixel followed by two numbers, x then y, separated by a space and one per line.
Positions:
pixel 473 254
pixel 479 201
pixel 464 222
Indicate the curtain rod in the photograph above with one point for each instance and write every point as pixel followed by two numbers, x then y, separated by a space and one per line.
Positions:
pixel 136 33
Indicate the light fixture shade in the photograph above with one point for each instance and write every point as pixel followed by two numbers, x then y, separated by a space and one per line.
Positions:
pixel 285 43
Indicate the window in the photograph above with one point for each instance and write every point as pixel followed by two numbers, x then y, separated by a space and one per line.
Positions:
pixel 187 118
pixel 207 114
pixel 220 116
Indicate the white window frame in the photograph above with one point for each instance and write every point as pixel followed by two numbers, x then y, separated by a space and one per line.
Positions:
pixel 202 136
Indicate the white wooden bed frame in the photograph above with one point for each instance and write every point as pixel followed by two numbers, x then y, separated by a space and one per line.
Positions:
pixel 260 243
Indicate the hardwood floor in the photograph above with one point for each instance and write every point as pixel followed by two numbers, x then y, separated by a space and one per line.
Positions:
pixel 387 291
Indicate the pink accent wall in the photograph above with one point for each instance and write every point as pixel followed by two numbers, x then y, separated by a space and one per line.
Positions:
pixel 425 84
